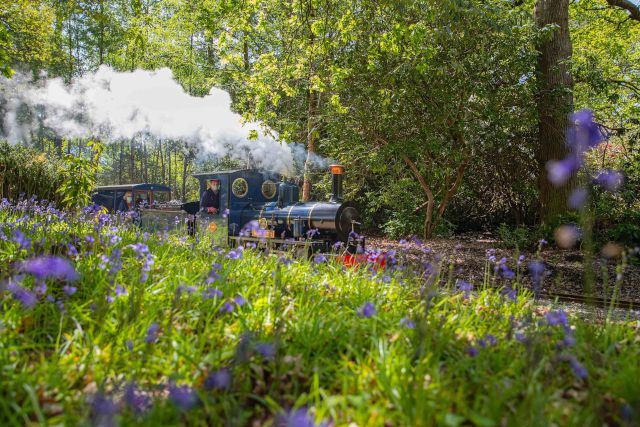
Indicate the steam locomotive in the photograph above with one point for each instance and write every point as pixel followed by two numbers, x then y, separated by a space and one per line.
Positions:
pixel 255 207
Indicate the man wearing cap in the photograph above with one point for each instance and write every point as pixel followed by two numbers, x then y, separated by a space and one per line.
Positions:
pixel 210 200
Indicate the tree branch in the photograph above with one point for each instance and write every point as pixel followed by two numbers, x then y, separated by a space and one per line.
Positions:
pixel 634 10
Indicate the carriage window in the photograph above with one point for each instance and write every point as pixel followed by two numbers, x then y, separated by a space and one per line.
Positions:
pixel 269 189
pixel 240 187
pixel 160 197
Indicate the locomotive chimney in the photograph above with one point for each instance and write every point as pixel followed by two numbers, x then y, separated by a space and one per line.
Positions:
pixel 337 171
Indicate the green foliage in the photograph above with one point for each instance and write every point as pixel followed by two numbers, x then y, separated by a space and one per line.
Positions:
pixel 79 177
pixel 519 237
pixel 25 171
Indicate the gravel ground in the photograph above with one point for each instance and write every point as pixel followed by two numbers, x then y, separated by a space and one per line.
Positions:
pixel 564 267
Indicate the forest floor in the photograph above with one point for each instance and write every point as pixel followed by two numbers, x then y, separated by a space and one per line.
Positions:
pixel 565 270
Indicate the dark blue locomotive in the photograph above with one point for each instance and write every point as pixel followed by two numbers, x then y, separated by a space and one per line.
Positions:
pixel 263 206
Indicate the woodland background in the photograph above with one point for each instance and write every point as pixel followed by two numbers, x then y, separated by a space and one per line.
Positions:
pixel 444 112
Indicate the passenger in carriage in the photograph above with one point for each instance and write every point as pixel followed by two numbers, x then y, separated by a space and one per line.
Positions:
pixel 126 204
pixel 210 200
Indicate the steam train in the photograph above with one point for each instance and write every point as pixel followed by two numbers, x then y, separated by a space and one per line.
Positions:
pixel 256 207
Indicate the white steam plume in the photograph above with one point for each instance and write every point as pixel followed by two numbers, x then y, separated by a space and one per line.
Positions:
pixel 113 105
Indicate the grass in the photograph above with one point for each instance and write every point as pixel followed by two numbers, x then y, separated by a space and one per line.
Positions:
pixel 299 341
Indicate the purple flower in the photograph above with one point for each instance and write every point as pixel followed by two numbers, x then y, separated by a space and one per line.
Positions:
pixel 472 351
pixel 266 350
pixel 507 273
pixel 312 232
pixel 135 400
pixel 50 266
pixel 578 198
pixel 152 333
pixel 559 171
pixel 576 367
pixel 407 323
pixel 536 270
pixel 20 238
pixel 120 290
pixel 319 259
pixel 212 293
pixel 71 250
pixel 239 300
pixel 237 254
pixel 129 345
pixel 298 418
pixel 27 298
pixel 367 310
pixel 69 290
pixel 219 380
pixel 464 287
pixel 103 409
pixel 184 397
pixel 558 317
pixel 509 293
pixel 585 133
pixel 520 260
pixel 610 180
pixel 227 307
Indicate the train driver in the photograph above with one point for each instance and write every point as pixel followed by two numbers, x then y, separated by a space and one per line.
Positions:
pixel 210 200
pixel 126 204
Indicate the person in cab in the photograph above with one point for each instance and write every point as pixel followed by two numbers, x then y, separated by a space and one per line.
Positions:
pixel 210 200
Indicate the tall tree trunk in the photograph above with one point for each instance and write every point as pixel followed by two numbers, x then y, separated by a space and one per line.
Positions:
pixel 162 179
pixel 311 144
pixel 121 161
pixel 145 162
pixel 555 102
pixel 101 34
pixel 132 161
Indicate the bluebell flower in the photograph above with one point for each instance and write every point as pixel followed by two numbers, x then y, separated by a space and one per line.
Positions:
pixel 558 317
pixel 103 409
pixel 576 366
pixel 578 198
pixel 319 259
pixel 610 180
pixel 227 307
pixel 298 418
pixel 407 323
pixel 26 297
pixel 135 400
pixel 23 241
pixel 152 333
pixel 218 380
pixel 184 397
pixel 212 293
pixel 120 290
pixel 312 232
pixel 367 310
pixel 69 290
pixel 472 351
pixel 559 171
pixel 509 293
pixel 239 300
pixel 266 350
pixel 50 267
pixel 464 287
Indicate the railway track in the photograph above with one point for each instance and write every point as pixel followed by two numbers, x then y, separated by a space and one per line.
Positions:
pixel 591 300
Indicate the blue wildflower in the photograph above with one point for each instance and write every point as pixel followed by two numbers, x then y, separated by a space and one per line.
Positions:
pixel 266 350
pixel 184 397
pixel 472 351
pixel 610 180
pixel 69 290
pixel 558 317
pixel 50 267
pixel 319 259
pixel 464 287
pixel 578 198
pixel 135 400
pixel 27 298
pixel 218 380
pixel 367 310
pixel 152 333
pixel 239 300
pixel 407 323
pixel 227 307
pixel 298 418
pixel 212 293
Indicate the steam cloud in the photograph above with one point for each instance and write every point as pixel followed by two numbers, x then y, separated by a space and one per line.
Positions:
pixel 112 106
